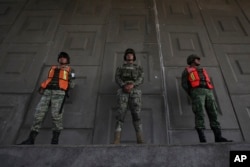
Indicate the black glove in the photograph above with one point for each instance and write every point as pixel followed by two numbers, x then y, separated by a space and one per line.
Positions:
pixel 41 90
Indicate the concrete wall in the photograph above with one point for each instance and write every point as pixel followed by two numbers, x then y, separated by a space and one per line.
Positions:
pixel 202 155
pixel 95 33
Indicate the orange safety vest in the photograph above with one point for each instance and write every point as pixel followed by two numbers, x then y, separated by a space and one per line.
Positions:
pixel 194 78
pixel 63 77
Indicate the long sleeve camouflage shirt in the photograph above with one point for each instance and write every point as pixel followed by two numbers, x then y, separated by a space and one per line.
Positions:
pixel 184 82
pixel 129 73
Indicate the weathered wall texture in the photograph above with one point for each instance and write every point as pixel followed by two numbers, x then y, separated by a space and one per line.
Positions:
pixel 200 155
pixel 95 33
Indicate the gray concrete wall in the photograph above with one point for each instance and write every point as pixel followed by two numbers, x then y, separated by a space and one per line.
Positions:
pixel 202 155
pixel 95 33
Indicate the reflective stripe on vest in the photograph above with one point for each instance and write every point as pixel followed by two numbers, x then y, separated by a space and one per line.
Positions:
pixel 194 78
pixel 63 77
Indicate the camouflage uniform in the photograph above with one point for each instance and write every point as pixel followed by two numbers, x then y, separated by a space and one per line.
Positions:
pixel 198 86
pixel 54 97
pixel 202 100
pixel 54 90
pixel 129 73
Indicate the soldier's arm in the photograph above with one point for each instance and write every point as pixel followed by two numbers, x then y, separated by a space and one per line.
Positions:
pixel 41 89
pixel 140 78
pixel 118 77
pixel 184 81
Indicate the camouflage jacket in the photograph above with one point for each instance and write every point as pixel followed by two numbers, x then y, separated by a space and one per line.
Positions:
pixel 129 73
pixel 184 82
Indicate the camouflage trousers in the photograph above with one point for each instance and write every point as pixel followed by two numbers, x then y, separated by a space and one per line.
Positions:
pixel 54 99
pixel 203 100
pixel 129 101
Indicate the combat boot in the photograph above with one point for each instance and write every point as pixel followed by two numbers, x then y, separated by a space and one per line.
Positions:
pixel 218 137
pixel 117 139
pixel 31 138
pixel 201 135
pixel 139 138
pixel 55 137
pixel 138 129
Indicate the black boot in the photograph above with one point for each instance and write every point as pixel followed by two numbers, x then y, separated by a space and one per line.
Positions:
pixel 218 137
pixel 31 138
pixel 55 137
pixel 201 135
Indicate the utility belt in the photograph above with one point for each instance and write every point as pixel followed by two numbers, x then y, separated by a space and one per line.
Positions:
pixel 203 86
pixel 53 87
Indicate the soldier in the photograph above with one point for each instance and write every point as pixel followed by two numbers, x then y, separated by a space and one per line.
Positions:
pixel 196 82
pixel 53 91
pixel 129 76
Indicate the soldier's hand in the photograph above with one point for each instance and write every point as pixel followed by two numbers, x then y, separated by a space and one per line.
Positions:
pixel 41 90
pixel 125 89
pixel 128 87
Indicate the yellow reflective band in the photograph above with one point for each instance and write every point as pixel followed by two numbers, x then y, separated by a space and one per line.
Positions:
pixel 65 75
pixel 192 76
